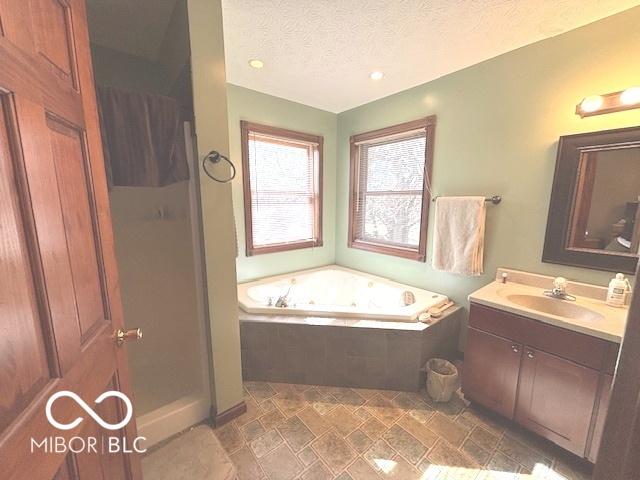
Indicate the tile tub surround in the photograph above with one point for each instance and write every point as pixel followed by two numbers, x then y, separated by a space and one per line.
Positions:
pixel 306 432
pixel 344 352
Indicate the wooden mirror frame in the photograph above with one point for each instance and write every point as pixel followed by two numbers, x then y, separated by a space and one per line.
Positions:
pixel 565 182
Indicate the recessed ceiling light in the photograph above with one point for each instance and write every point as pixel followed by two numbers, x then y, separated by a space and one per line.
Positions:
pixel 255 63
pixel 376 75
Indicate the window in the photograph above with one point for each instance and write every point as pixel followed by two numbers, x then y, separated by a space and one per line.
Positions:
pixel 388 207
pixel 282 189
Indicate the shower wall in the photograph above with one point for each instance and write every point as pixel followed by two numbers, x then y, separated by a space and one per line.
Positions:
pixel 152 229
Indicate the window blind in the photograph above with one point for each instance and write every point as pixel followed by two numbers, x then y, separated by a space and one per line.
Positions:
pixel 390 189
pixel 284 190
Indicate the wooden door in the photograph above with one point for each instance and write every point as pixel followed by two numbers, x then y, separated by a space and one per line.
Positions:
pixel 601 415
pixel 618 455
pixel 59 299
pixel 556 398
pixel 490 373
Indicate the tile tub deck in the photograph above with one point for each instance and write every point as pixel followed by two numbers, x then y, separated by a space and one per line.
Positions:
pixel 344 352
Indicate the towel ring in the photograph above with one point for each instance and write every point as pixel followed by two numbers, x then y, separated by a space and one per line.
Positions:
pixel 215 157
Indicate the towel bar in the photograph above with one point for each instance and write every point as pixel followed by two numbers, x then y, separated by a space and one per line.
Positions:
pixel 496 199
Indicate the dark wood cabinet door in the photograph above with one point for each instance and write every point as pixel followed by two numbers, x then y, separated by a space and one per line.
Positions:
pixel 556 399
pixel 490 374
pixel 600 416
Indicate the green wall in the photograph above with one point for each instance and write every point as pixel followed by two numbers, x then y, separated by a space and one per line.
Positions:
pixel 210 110
pixel 497 132
pixel 245 104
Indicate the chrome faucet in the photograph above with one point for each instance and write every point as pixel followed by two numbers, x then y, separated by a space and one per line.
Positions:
pixel 283 300
pixel 559 290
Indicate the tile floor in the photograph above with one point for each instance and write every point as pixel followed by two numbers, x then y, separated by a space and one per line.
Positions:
pixel 314 433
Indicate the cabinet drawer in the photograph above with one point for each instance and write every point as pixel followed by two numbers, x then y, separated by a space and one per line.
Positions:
pixel 580 348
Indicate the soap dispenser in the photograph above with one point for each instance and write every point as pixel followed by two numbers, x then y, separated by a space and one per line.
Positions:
pixel 618 292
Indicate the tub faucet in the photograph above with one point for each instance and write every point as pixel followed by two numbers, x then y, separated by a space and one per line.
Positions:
pixel 283 300
pixel 559 290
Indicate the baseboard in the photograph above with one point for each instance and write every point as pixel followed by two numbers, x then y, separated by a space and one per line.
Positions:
pixel 219 419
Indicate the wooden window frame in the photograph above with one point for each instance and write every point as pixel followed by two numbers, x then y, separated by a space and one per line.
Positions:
pixel 419 254
pixel 249 127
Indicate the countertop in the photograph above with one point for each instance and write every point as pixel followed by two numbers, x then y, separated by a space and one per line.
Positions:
pixel 610 328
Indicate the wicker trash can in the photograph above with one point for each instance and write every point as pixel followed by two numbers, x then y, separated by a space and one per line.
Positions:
pixel 442 379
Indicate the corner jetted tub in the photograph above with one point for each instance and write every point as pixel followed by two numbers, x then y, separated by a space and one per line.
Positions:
pixel 335 291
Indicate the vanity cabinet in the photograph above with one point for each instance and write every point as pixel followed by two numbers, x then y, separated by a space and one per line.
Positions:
pixel 556 398
pixel 552 381
pixel 491 369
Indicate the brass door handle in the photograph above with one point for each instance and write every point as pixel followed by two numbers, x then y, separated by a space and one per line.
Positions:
pixel 127 335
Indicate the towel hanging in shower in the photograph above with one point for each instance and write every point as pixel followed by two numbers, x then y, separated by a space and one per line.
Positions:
pixel 143 138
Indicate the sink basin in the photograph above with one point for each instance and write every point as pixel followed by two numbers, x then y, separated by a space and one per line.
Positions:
pixel 555 306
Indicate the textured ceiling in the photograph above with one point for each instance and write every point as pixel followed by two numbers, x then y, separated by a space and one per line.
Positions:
pixel 136 27
pixel 320 52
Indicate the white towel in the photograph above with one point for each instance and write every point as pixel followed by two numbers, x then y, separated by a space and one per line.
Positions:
pixel 458 239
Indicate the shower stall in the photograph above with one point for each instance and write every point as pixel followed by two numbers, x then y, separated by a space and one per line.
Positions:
pixel 146 117
pixel 158 247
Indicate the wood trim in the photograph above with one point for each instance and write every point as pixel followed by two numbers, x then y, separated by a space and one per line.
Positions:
pixel 280 132
pixel 582 201
pixel 419 254
pixel 394 129
pixel 618 457
pixel 247 127
pixel 388 250
pixel 570 149
pixel 219 419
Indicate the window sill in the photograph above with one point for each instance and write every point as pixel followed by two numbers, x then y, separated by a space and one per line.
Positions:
pixel 282 247
pixel 409 254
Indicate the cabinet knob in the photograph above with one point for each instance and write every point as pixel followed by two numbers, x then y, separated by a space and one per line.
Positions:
pixel 530 354
pixel 515 348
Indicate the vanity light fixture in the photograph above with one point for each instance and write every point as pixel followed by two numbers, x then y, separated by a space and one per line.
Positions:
pixel 376 75
pixel 631 96
pixel 609 103
pixel 255 63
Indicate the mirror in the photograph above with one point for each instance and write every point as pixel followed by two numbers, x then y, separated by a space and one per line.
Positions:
pixel 594 217
pixel 605 203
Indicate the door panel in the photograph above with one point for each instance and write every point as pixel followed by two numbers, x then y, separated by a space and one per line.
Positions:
pixel 23 354
pixel 490 373
pixel 69 159
pixel 54 39
pixel 59 293
pixel 556 399
pixel 104 465
pixel 67 469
